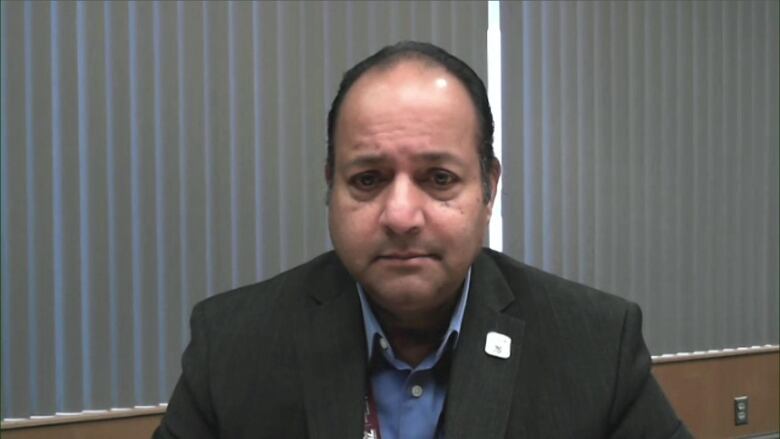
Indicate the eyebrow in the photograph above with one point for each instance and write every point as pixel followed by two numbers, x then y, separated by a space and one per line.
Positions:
pixel 366 160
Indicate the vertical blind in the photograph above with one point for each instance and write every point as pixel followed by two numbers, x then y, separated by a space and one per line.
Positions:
pixel 157 153
pixel 641 157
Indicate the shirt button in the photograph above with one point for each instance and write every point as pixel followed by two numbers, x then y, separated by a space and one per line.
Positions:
pixel 417 391
pixel 383 343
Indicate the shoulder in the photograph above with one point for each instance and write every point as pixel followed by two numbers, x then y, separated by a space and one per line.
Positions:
pixel 568 321
pixel 585 351
pixel 533 286
pixel 272 298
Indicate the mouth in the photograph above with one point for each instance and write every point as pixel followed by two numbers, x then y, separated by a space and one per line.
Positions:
pixel 406 256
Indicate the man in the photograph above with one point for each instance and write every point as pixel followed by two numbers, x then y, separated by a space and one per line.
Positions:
pixel 410 329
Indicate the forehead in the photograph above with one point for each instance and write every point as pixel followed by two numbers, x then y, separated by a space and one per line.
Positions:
pixel 409 100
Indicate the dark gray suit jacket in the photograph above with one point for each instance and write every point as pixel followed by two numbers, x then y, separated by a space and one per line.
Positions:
pixel 286 358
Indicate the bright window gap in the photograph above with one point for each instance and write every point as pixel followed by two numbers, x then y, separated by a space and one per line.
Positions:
pixel 496 228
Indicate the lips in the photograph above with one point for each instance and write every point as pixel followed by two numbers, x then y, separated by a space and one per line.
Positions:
pixel 406 256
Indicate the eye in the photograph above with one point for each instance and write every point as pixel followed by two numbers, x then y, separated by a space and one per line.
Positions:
pixel 366 181
pixel 442 179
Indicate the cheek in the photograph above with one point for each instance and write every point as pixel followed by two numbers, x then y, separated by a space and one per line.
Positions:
pixel 461 221
pixel 351 223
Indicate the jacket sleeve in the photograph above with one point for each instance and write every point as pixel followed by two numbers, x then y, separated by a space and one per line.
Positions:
pixel 190 413
pixel 639 407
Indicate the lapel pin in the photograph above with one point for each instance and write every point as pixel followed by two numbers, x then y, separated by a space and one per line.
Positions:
pixel 498 345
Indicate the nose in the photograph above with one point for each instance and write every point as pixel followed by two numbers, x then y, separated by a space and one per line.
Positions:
pixel 402 213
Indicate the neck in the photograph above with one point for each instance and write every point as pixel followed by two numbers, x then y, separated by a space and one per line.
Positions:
pixel 413 338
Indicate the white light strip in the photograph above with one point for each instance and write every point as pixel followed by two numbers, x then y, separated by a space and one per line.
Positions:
pixel 85 415
pixel 714 353
pixel 496 229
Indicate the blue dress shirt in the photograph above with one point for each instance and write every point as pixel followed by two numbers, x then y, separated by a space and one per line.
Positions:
pixel 409 400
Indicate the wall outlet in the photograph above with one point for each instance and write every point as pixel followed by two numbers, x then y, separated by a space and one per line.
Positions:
pixel 740 410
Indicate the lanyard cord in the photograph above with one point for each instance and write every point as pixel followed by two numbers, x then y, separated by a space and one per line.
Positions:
pixel 370 416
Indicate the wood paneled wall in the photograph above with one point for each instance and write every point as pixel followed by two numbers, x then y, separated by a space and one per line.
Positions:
pixel 703 389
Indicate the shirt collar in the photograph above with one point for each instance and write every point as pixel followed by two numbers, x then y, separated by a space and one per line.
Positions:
pixel 374 329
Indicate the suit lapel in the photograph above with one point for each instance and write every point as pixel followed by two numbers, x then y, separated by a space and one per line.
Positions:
pixel 481 386
pixel 332 355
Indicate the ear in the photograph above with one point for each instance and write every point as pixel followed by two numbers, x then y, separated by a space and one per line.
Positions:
pixel 495 174
pixel 329 175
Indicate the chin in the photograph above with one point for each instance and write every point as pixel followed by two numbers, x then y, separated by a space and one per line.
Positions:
pixel 404 295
